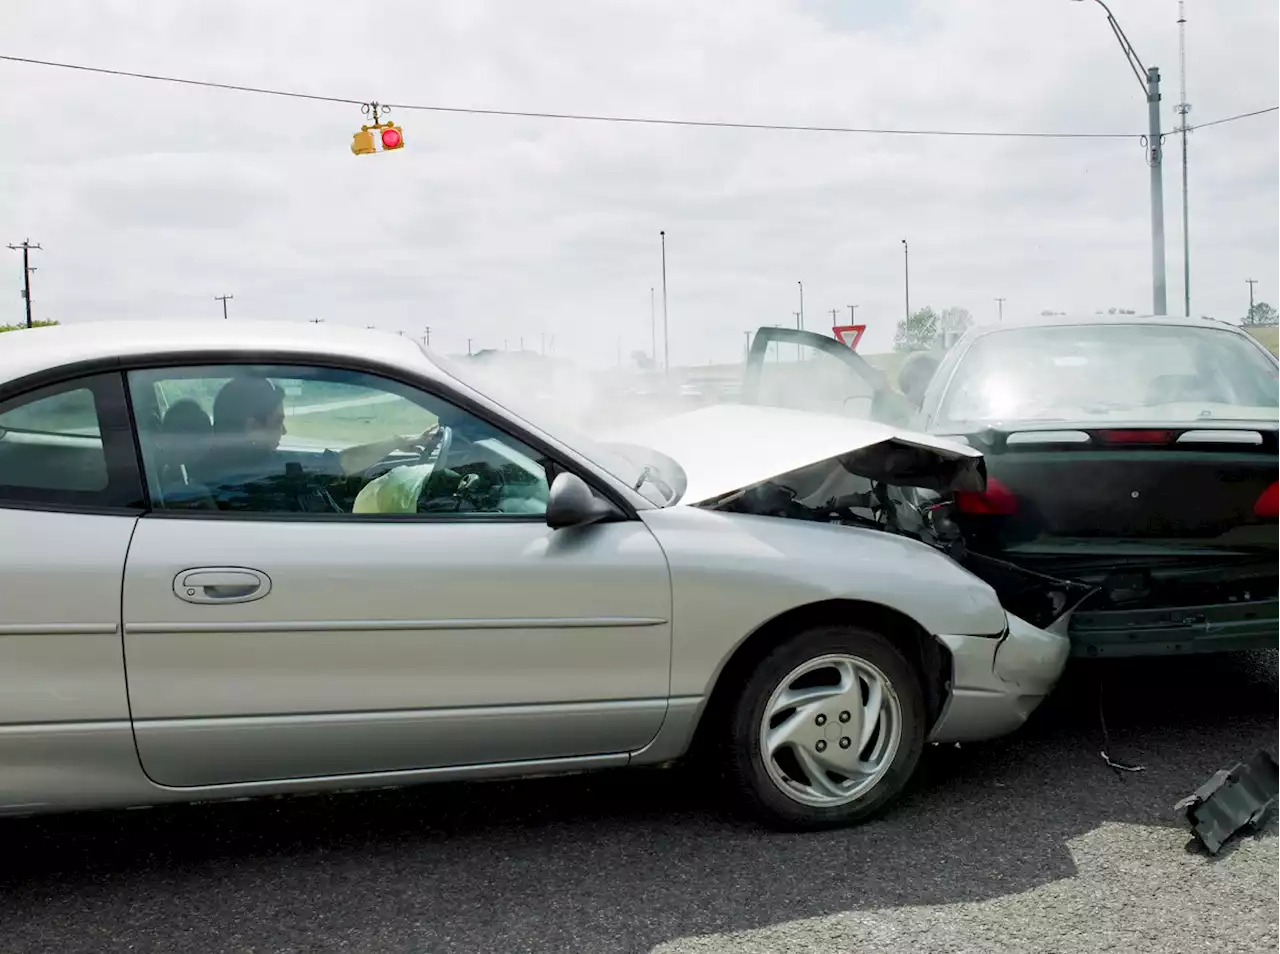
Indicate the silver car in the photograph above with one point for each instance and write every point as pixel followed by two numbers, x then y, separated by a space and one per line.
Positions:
pixel 244 560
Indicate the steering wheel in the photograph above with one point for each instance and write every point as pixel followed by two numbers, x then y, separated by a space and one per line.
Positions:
pixel 439 447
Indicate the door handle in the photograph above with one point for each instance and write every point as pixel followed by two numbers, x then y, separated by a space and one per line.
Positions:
pixel 221 584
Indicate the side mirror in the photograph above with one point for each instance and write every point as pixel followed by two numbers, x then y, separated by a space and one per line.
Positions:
pixel 570 503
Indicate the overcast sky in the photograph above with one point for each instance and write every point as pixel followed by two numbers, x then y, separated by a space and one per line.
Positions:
pixel 150 199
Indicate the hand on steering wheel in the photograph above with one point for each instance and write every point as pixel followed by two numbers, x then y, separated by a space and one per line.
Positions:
pixel 437 440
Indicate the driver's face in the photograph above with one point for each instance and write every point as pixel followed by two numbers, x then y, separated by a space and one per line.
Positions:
pixel 267 433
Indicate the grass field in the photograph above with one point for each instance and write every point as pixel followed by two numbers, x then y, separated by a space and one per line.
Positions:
pixel 1269 336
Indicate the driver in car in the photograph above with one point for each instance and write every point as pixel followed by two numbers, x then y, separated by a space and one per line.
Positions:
pixel 916 373
pixel 245 469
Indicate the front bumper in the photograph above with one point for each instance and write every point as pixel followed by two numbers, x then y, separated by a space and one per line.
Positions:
pixel 997 682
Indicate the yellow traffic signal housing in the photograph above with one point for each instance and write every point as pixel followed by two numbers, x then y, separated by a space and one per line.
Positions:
pixel 392 136
pixel 362 142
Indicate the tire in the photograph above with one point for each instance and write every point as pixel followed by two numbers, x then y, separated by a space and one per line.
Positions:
pixel 820 662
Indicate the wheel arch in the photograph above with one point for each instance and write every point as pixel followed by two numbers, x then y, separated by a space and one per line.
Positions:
pixel 925 653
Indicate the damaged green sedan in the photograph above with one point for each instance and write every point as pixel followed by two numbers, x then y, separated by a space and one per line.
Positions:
pixel 1131 462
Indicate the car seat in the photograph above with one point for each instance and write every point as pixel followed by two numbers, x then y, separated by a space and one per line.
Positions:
pixel 185 432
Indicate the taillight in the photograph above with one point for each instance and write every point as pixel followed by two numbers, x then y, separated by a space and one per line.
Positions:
pixel 996 500
pixel 1136 437
pixel 1267 504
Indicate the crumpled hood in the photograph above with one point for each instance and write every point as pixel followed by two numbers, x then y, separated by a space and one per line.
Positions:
pixel 729 447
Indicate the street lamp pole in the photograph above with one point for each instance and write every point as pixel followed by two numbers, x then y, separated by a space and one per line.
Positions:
pixel 653 329
pixel 800 313
pixel 906 280
pixel 1000 305
pixel 1153 142
pixel 666 339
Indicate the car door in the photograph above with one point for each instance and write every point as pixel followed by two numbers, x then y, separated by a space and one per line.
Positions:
pixel 788 367
pixel 69 498
pixel 265 641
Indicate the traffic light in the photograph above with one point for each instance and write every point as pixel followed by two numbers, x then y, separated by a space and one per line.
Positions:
pixel 389 135
pixel 392 137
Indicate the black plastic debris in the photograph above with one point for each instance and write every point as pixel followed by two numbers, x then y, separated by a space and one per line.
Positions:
pixel 1241 797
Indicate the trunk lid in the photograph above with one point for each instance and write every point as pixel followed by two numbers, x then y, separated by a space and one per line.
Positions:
pixel 1058 489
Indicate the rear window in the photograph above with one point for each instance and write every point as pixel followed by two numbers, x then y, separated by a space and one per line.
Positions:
pixel 1111 372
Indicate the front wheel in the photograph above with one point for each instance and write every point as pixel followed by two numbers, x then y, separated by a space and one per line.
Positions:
pixel 827 730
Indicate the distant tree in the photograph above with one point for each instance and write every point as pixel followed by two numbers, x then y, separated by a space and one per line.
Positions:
pixel 1116 311
pixel 642 360
pixel 1050 313
pixel 38 323
pixel 917 333
pixel 1260 314
pixel 956 320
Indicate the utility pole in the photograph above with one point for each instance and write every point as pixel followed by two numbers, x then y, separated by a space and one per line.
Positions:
pixel 666 339
pixel 906 280
pixel 1000 305
pixel 1251 281
pixel 26 247
pixel 226 298
pixel 426 337
pixel 800 314
pixel 746 348
pixel 1149 80
pixel 1182 109
pixel 468 347
pixel 853 314
pixel 835 316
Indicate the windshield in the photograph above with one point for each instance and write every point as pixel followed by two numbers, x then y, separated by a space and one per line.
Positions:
pixel 1111 372
pixel 654 477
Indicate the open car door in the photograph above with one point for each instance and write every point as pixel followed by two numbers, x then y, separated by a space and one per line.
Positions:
pixel 803 370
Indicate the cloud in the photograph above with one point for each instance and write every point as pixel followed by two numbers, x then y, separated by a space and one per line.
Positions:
pixel 150 199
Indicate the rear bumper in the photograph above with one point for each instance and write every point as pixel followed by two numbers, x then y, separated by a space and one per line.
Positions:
pixel 996 683
pixel 1220 627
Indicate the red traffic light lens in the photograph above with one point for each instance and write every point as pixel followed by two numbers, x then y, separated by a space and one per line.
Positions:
pixel 391 139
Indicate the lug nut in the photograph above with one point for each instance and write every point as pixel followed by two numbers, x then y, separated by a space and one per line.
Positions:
pixel 821 746
pixel 845 742
pixel 821 719
pixel 845 716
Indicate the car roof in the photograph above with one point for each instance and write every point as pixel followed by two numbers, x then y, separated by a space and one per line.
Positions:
pixel 1051 321
pixel 34 350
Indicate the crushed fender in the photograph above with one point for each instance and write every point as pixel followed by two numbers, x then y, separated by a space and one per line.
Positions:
pixel 1241 797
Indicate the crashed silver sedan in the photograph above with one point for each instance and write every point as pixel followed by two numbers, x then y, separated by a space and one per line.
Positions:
pixel 242 561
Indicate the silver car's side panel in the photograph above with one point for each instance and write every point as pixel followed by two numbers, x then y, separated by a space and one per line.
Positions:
pixel 731 573
pixel 60 655
pixel 377 637
pixel 347 743
pixel 82 767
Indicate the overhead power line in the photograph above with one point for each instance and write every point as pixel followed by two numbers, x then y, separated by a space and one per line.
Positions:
pixel 575 117
pixel 601 118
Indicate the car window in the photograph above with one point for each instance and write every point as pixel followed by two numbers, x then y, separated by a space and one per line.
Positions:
pixel 803 377
pixel 52 451
pixel 1101 372
pixel 53 442
pixel 267 439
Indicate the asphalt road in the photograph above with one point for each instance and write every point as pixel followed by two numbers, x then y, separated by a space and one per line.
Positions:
pixel 1029 844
